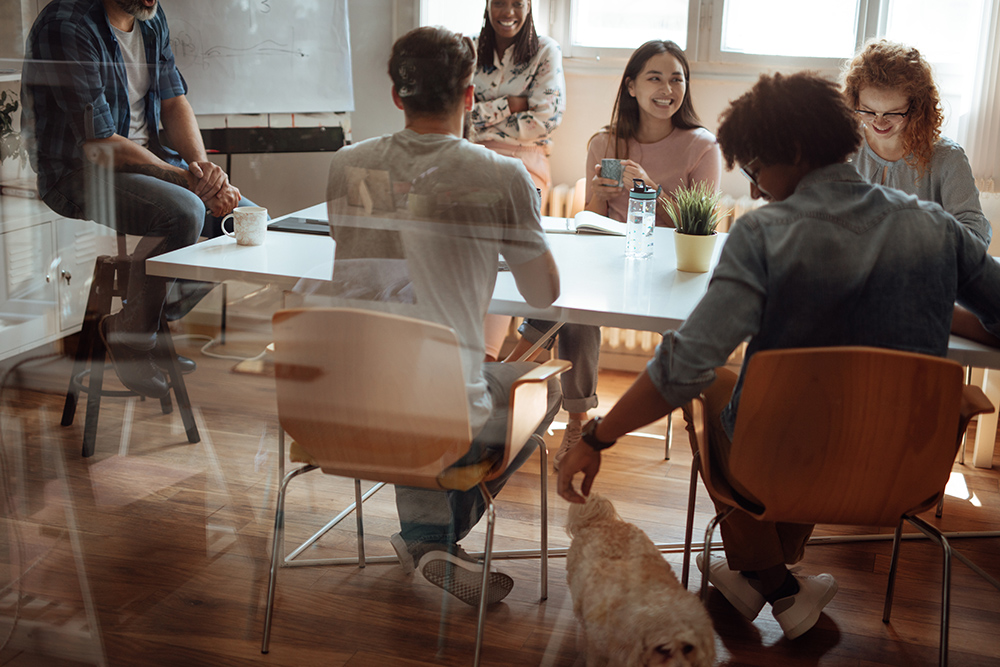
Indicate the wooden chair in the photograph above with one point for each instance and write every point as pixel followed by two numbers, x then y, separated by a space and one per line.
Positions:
pixel 375 396
pixel 843 435
pixel 110 281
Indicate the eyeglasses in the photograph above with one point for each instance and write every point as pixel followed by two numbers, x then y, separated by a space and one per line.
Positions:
pixel 891 117
pixel 750 171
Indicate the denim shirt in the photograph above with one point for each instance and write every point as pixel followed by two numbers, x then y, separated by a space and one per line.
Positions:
pixel 74 86
pixel 839 262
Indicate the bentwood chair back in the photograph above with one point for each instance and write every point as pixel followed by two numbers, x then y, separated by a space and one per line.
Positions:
pixel 844 435
pixel 377 396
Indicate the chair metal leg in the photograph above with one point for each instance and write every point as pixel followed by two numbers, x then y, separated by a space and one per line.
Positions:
pixel 358 505
pixel 276 548
pixel 707 562
pixel 897 540
pixel 491 515
pixel 544 490
pixel 689 525
pixel 668 438
pixel 935 534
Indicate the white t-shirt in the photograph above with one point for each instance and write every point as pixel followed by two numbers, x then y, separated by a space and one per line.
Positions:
pixel 455 206
pixel 137 74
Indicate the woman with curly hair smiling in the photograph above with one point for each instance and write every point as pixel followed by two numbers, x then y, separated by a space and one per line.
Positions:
pixel 891 89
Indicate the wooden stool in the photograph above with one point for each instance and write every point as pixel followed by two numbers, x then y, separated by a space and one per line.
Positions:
pixel 111 280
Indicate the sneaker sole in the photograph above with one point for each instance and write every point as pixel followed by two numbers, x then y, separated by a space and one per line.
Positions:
pixel 465 584
pixel 809 621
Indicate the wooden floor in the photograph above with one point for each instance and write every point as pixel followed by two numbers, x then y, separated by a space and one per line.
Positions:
pixel 156 551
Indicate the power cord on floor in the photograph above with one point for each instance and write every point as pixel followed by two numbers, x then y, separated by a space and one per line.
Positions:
pixel 213 342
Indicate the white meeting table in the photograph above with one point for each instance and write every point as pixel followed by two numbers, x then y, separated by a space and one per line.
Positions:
pixel 598 286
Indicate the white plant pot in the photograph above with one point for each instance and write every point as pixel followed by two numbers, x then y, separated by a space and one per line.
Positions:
pixel 694 253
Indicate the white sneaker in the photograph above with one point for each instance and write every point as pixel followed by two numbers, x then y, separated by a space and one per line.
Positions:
pixel 797 613
pixel 571 436
pixel 742 593
pixel 402 553
pixel 462 576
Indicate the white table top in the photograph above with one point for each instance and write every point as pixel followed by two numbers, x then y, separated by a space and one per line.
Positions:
pixel 599 286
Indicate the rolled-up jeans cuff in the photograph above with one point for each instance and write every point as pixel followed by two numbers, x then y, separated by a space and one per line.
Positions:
pixel 533 330
pixel 579 404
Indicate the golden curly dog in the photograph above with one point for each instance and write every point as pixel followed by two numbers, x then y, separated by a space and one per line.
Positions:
pixel 633 610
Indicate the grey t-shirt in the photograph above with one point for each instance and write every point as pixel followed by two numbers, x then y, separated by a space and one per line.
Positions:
pixel 948 181
pixel 421 219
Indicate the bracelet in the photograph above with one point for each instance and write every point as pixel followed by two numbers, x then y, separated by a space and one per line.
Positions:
pixel 589 436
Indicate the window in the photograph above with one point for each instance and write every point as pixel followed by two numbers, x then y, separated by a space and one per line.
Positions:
pixel 791 28
pixel 759 33
pixel 464 16
pixel 599 23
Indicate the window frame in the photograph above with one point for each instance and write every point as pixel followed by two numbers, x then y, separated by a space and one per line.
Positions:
pixel 704 40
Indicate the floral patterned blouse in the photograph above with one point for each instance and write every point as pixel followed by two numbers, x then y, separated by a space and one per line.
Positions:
pixel 540 80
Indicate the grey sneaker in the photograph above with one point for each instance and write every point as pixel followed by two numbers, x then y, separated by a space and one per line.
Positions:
pixel 406 560
pixel 571 436
pixel 460 574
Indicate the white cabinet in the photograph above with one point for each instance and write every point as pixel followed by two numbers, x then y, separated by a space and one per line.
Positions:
pixel 47 267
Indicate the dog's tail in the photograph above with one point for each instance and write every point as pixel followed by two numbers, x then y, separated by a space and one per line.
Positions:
pixel 597 508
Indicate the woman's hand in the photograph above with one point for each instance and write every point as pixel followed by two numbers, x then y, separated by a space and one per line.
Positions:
pixel 604 189
pixel 633 170
pixel 517 104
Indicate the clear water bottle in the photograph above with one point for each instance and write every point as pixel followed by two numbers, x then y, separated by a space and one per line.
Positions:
pixel 641 221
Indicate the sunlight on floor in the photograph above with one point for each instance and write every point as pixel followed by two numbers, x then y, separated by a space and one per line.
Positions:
pixel 957 488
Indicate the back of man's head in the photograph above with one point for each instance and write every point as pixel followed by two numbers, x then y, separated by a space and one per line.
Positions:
pixel 431 68
pixel 783 119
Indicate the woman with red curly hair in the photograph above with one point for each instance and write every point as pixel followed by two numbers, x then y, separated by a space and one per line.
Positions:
pixel 891 89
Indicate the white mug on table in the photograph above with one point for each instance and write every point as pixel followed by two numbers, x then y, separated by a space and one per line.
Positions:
pixel 249 225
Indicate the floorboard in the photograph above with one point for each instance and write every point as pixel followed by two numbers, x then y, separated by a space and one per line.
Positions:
pixel 155 551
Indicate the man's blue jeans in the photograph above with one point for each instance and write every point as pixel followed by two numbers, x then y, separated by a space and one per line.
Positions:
pixel 426 515
pixel 167 216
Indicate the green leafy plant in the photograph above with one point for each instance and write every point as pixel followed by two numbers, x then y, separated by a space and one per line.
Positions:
pixel 694 209
pixel 11 145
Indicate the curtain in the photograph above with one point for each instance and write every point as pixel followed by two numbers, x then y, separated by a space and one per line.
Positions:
pixel 981 137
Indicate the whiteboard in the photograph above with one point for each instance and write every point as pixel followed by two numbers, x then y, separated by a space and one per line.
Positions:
pixel 263 56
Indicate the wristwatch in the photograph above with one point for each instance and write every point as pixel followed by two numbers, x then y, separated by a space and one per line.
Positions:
pixel 588 436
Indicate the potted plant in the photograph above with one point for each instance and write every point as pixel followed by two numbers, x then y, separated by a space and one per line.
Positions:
pixel 695 212
pixel 11 146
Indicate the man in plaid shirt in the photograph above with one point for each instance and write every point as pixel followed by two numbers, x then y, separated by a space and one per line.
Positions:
pixel 99 80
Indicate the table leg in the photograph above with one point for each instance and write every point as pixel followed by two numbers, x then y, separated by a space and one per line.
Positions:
pixel 986 426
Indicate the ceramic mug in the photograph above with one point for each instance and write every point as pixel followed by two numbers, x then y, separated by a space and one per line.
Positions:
pixel 249 225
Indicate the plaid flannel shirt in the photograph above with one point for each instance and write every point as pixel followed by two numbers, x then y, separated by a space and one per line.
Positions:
pixel 74 86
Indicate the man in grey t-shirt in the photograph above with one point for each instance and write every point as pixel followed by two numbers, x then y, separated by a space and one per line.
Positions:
pixel 420 218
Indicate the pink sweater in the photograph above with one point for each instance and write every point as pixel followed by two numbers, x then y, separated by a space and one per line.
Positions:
pixel 683 157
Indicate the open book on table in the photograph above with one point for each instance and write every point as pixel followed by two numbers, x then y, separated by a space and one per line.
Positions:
pixel 585 222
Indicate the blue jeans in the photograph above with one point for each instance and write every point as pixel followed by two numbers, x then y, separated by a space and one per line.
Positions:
pixel 580 344
pixel 426 515
pixel 167 216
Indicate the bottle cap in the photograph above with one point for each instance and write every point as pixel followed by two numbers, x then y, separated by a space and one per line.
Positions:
pixel 640 191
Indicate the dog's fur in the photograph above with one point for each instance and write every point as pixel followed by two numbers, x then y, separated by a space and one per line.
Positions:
pixel 633 609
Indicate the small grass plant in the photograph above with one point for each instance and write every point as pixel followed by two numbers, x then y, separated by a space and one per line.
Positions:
pixel 694 209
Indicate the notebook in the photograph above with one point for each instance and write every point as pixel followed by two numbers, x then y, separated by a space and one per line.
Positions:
pixel 300 226
pixel 585 222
